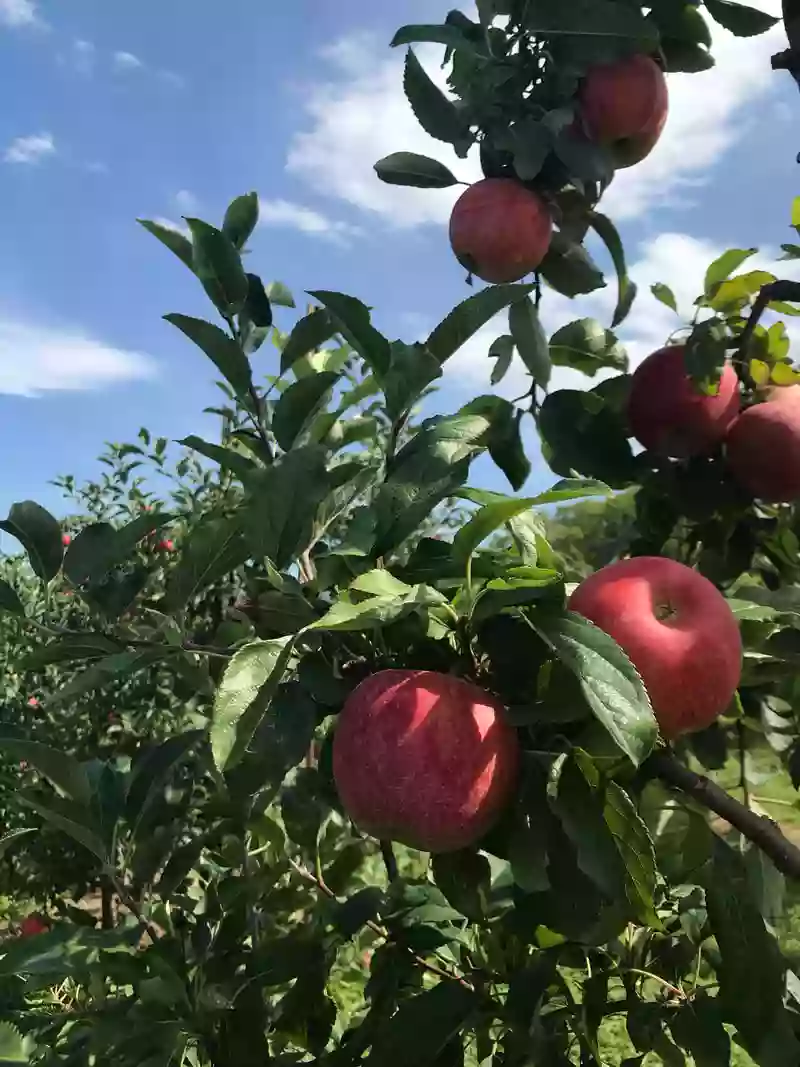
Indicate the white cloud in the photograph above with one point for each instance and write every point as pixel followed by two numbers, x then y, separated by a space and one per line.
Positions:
pixel 35 359
pixel 171 77
pixel 186 202
pixel 171 225
pixel 31 149
pixel 18 13
pixel 126 61
pixel 359 114
pixel 298 217
pixel 82 56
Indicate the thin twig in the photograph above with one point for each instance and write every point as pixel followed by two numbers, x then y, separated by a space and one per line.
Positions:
pixel 133 908
pixel 656 978
pixel 742 763
pixel 389 860
pixel 379 931
pixel 777 290
pixel 759 829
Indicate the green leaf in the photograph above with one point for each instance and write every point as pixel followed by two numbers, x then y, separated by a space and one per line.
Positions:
pixel 282 503
pixel 445 33
pixel 412 169
pixel 685 56
pixel 218 265
pixel 469 316
pixel 70 648
pixel 437 115
pixel 174 240
pixel 587 346
pixel 248 685
pixel 62 770
pixel 706 349
pixel 99 546
pixel 665 295
pixel 8 840
pixel 697 1028
pixel 422 1026
pixel 594 18
pixel 608 679
pixel 502 351
pixel 14 1049
pixel 626 290
pixel 345 615
pixel 214 546
pixel 222 350
pixel 569 269
pixel 741 20
pixel 241 219
pixel 280 295
pixel 352 318
pixel 465 879
pixel 749 955
pixel 39 534
pixel 530 145
pixel 530 339
pixel 257 308
pixel 411 371
pixel 309 334
pixel 9 599
pixel 724 266
pixel 484 522
pixel 227 458
pixel 152 770
pixel 570 489
pixel 72 819
pixel 503 439
pixel 298 405
pixel 612 843
pixel 578 436
pixel 102 672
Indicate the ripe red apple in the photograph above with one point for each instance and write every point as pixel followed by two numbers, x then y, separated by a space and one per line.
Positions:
pixel 165 546
pixel 624 106
pixel 669 415
pixel 424 758
pixel 33 702
pixel 763 447
pixel 32 925
pixel 678 632
pixel 500 230
pixel 66 539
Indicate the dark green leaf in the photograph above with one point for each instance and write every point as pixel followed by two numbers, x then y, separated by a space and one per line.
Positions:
pixel 411 371
pixel 257 307
pixel 227 458
pixel 485 521
pixel 530 339
pixel 502 351
pixel 503 439
pixel 705 353
pixel 70 648
pixel 352 914
pixel 465 879
pixel 697 1028
pixel 152 770
pixel 579 437
pixel 244 696
pixel 218 265
pixel 222 350
pixel 174 240
pixel 214 547
pixel 298 405
pixel 419 172
pixel 72 819
pixel 353 321
pixel 437 115
pixel 626 290
pixel 469 316
pixel 610 682
pixel 724 266
pixel 749 955
pixel 595 18
pixel 586 346
pixel 665 295
pixel 241 219
pixel 530 144
pixel 569 268
pixel 446 34
pixel 309 334
pixel 39 534
pixel 64 771
pixel 99 547
pixel 9 599
pixel 102 672
pixel 741 20
pixel 422 1026
pixel 279 519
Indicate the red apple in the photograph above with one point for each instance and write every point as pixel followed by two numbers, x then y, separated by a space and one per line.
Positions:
pixel 66 539
pixel 165 546
pixel 624 106
pixel 32 925
pixel 678 632
pixel 424 758
pixel 763 447
pixel 500 230
pixel 669 415
pixel 33 702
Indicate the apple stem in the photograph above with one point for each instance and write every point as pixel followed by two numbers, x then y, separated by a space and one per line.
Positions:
pixel 759 829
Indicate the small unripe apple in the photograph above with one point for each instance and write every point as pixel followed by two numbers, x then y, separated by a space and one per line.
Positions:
pixel 669 415
pixel 500 230
pixel 677 630
pixel 424 758
pixel 763 447
pixel 624 105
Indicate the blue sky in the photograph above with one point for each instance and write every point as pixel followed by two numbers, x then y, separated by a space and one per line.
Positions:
pixel 113 111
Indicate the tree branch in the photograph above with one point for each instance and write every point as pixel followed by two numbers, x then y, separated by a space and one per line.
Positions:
pixel 759 829
pixel 777 290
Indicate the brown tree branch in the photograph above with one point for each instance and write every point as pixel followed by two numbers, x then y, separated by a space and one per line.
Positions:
pixel 759 829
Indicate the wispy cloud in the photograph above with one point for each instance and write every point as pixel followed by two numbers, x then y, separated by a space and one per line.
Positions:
pixel 82 56
pixel 126 62
pixel 32 149
pixel 19 13
pixel 306 219
pixel 186 202
pixel 36 359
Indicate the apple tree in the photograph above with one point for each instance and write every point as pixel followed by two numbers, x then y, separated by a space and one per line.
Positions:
pixel 395 791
